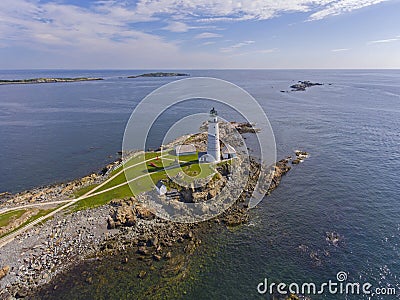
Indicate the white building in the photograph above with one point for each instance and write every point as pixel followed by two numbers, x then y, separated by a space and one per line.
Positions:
pixel 161 188
pixel 228 152
pixel 213 147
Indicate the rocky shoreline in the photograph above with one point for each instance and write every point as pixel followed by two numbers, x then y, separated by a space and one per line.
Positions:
pixel 34 264
pixel 41 254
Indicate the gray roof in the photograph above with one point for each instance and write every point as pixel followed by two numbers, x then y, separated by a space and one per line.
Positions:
pixel 159 184
pixel 185 148
pixel 228 149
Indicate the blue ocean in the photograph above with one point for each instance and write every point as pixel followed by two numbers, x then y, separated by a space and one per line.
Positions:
pixel 348 186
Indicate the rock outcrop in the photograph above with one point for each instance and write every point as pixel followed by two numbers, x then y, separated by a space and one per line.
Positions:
pixel 122 214
pixel 160 74
pixel 4 271
pixel 125 213
pixel 303 85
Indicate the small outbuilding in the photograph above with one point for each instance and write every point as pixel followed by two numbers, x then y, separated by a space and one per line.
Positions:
pixel 204 158
pixel 161 188
pixel 228 152
pixel 182 150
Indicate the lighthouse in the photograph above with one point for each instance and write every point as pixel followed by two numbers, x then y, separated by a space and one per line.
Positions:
pixel 213 147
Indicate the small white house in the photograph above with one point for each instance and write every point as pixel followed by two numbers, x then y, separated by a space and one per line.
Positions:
pixel 181 150
pixel 228 152
pixel 161 188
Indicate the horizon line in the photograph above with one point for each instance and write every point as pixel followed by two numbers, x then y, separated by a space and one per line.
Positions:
pixel 193 69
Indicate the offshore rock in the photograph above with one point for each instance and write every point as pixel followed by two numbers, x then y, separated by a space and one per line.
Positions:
pixel 303 85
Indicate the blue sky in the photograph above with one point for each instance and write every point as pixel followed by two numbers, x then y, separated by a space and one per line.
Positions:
pixel 184 34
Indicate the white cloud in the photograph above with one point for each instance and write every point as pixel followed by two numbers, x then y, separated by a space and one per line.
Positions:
pixel 266 51
pixel 262 51
pixel 236 46
pixel 108 29
pixel 384 41
pixel 340 50
pixel 177 27
pixel 30 19
pixel 207 35
pixel 239 10
pixel 208 43
pixel 333 8
pixel 82 36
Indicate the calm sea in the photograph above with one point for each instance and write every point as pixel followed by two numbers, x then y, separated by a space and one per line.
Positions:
pixel 349 185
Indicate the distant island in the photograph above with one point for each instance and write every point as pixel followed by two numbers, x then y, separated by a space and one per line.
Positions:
pixel 303 85
pixel 159 74
pixel 47 80
pixel 77 79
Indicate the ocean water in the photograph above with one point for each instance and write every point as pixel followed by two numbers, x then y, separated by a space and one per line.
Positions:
pixel 349 184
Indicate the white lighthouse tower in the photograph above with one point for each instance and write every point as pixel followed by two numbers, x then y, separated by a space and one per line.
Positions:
pixel 213 147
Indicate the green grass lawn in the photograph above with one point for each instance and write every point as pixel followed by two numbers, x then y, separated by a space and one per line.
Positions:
pixel 7 217
pixel 138 186
pixel 135 168
pixel 136 160
pixel 140 158
pixel 149 155
pixel 102 199
pixel 132 172
pixel 193 170
pixel 187 158
pixel 136 171
pixel 143 184
pixel 84 190
pixel 192 158
pixel 160 164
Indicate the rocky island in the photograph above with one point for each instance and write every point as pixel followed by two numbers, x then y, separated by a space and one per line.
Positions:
pixel 303 85
pixel 38 262
pixel 160 74
pixel 47 80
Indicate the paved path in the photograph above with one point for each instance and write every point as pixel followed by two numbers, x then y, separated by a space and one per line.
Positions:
pixel 34 205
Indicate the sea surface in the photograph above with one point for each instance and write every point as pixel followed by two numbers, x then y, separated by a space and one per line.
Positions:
pixel 349 185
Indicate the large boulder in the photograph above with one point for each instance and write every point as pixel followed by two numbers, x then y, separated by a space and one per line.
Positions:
pixel 143 213
pixel 4 271
pixel 122 215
